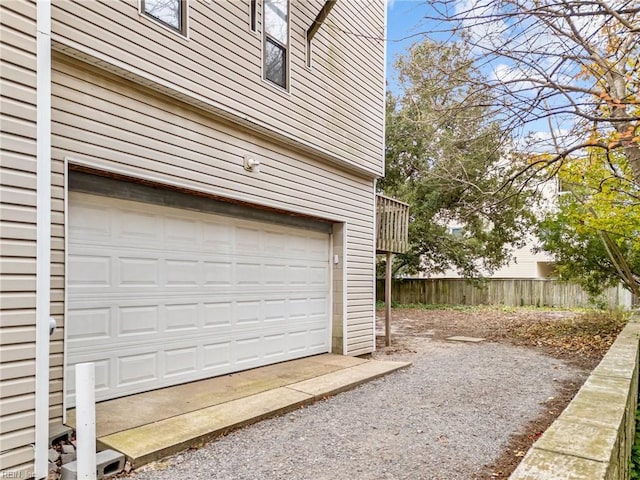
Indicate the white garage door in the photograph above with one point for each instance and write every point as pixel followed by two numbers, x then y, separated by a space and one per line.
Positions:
pixel 159 296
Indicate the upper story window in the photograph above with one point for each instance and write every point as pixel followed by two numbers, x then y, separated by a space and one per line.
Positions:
pixel 276 41
pixel 171 13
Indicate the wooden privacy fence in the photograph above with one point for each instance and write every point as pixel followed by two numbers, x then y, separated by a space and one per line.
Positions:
pixel 512 292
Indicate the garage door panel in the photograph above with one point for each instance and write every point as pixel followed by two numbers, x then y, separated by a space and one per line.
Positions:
pixel 137 320
pixel 142 369
pixel 89 271
pixel 137 369
pixel 89 268
pixel 217 238
pixel 217 314
pixel 136 226
pixel 95 225
pixel 105 338
pixel 102 376
pixel 179 361
pixel 216 356
pixel 90 325
pixel 135 314
pixel 160 296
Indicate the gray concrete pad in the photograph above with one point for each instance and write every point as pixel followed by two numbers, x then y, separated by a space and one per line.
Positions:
pixel 465 339
pixel 151 442
pixel 151 425
pixel 344 379
pixel 125 413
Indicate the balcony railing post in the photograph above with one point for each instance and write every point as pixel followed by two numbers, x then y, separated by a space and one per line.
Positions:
pixel 392 219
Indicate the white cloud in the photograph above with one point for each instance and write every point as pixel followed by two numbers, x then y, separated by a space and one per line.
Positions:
pixel 487 31
pixel 492 26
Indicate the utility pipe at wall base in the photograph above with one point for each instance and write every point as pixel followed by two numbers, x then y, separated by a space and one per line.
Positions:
pixel 86 421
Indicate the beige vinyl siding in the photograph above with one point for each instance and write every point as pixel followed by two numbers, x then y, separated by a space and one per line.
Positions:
pixel 56 349
pixel 335 106
pixel 17 236
pixel 103 121
pixel 525 264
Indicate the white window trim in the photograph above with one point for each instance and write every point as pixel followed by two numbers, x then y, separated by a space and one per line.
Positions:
pixel 184 35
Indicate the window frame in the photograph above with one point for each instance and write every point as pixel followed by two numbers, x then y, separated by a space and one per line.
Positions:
pixel 254 7
pixel 184 18
pixel 561 187
pixel 286 48
pixel 309 54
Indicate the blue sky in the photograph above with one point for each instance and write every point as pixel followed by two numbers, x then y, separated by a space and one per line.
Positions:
pixel 405 25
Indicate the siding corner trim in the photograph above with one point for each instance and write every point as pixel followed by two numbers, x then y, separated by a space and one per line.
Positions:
pixel 43 231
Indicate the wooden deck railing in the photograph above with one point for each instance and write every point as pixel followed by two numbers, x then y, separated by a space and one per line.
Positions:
pixel 392 236
pixel 392 223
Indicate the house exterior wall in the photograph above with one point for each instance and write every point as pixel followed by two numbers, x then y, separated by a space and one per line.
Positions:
pixel 131 98
pixel 526 264
pixel 320 144
pixel 109 124
pixel 220 64
pixel 17 236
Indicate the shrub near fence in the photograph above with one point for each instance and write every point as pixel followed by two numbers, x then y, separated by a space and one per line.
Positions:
pixel 510 291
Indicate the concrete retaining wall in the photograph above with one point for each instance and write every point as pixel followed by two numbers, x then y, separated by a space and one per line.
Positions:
pixel 592 438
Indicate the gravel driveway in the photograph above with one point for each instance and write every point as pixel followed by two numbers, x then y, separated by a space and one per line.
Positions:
pixel 445 417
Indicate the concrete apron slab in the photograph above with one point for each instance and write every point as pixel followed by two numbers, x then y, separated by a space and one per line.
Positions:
pixel 132 411
pixel 152 425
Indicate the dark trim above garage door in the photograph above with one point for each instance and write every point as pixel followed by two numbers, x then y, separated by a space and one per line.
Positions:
pixel 129 190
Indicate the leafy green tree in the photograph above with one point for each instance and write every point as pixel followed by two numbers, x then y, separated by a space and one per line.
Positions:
pixel 444 158
pixel 595 233
pixel 564 78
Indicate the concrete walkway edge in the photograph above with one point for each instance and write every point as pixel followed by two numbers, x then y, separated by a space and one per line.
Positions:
pixel 153 441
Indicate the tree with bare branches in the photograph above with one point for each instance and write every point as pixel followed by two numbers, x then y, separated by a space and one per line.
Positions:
pixel 563 74
pixel 563 77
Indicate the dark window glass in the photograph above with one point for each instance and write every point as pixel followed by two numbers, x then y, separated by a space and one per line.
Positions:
pixel 276 41
pixel 253 20
pixel 275 63
pixel 275 20
pixel 168 12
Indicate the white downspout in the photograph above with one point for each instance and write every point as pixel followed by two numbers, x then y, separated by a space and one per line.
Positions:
pixel 43 231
